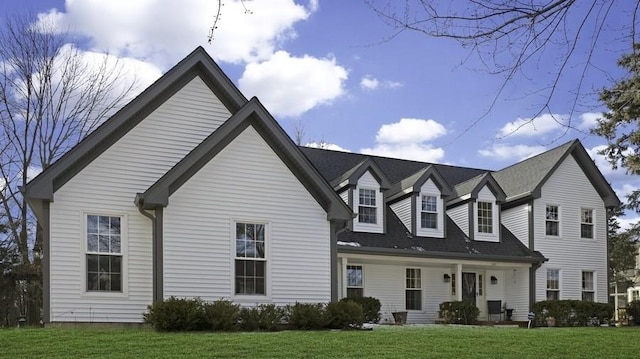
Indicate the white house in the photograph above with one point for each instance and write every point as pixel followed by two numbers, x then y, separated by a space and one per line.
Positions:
pixel 191 190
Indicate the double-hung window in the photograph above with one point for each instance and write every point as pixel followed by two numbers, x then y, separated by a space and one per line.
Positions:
pixel 367 210
pixel 355 287
pixel 586 223
pixel 552 222
pixel 250 259
pixel 104 253
pixel 485 217
pixel 413 289
pixel 553 284
pixel 588 293
pixel 429 213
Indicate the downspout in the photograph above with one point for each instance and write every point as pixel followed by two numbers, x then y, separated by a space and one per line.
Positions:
pixel 156 249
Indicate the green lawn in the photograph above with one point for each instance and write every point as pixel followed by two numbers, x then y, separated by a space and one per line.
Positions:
pixel 401 342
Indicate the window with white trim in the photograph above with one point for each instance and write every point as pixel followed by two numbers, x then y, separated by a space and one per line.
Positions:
pixel 480 284
pixel 104 254
pixel 355 283
pixel 413 289
pixel 588 292
pixel 553 284
pixel 250 259
pixel 635 294
pixel 367 210
pixel 453 284
pixel 485 217
pixel 429 213
pixel 586 223
pixel 552 221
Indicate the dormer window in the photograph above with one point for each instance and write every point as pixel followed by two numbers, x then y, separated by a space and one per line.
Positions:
pixel 429 213
pixel 485 217
pixel 367 210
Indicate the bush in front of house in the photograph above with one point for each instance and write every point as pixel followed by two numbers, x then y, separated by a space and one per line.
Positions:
pixel 307 316
pixel 176 315
pixel 263 317
pixel 633 310
pixel 221 315
pixel 344 315
pixel 370 308
pixel 572 313
pixel 458 312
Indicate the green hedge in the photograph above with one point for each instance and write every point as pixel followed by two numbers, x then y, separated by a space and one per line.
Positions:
pixel 463 312
pixel 572 313
pixel 370 308
pixel 182 314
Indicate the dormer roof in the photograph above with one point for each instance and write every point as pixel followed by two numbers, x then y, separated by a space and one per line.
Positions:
pixel 352 175
pixel 414 183
pixel 469 189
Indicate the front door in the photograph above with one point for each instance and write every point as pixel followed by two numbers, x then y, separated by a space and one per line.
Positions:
pixel 469 287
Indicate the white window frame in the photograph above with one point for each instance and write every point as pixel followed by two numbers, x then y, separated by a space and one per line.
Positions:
pixel 556 220
pixel 357 286
pixel 363 205
pixel 588 285
pixel 84 292
pixel 425 210
pixel 588 222
pixel 490 218
pixel 264 259
pixel 413 283
pixel 559 283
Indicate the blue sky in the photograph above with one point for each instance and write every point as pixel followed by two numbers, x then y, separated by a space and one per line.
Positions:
pixel 324 65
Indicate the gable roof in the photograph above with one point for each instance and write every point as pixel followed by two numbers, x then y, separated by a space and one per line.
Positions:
pixel 252 114
pixel 400 242
pixel 198 63
pixel 353 175
pixel 414 183
pixel 527 177
pixel 472 187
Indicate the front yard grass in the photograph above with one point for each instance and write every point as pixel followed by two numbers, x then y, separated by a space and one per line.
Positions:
pixel 387 342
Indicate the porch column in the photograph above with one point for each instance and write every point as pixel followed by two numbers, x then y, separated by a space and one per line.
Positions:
pixel 459 282
pixel 343 278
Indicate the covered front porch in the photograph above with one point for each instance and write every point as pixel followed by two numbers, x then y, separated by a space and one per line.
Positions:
pixel 418 285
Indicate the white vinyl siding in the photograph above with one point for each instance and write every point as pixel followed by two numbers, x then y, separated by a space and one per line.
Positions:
pixel 460 216
pixel 108 186
pixel 516 290
pixel 367 181
pixel 245 182
pixel 486 196
pixel 345 196
pixel 516 220
pixel 569 189
pixel 402 209
pixel 430 189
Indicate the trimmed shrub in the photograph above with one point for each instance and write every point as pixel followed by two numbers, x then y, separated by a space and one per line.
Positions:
pixel 633 310
pixel 463 312
pixel 176 314
pixel 221 315
pixel 265 317
pixel 370 308
pixel 572 313
pixel 307 316
pixel 344 315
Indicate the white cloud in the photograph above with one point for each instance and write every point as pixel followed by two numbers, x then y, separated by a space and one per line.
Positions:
pixel 407 139
pixel 326 146
pixel 603 164
pixel 589 120
pixel 290 86
pixel 410 130
pixel 164 31
pixel 369 83
pixel 504 152
pixel 534 127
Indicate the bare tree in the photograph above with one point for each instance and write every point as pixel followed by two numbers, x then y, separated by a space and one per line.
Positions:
pixel 51 96
pixel 506 36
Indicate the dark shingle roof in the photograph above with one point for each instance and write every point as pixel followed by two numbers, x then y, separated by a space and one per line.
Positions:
pixel 332 164
pixel 398 240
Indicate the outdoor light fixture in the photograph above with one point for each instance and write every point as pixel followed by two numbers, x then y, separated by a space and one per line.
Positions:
pixel 447 278
pixel 494 280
